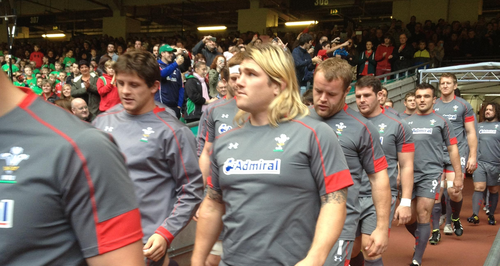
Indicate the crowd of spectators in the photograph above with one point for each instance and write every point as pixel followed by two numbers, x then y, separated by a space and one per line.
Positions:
pixel 82 68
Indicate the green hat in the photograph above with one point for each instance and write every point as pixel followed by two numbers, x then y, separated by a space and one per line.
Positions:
pixel 167 48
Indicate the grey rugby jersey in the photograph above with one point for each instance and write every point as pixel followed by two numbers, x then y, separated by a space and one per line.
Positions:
pixel 429 133
pixel 489 142
pixel 65 194
pixel 221 118
pixel 161 157
pixel 202 134
pixel 395 137
pixel 404 115
pixel 360 143
pixel 271 180
pixel 459 112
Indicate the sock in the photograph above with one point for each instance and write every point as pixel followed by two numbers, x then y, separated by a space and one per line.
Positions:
pixel 448 207
pixel 493 202
pixel 477 202
pixel 411 228
pixel 421 238
pixel 443 204
pixel 487 197
pixel 456 207
pixel 436 213
pixel 377 262
pixel 358 260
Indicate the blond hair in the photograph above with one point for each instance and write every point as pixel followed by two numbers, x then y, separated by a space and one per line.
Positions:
pixel 279 67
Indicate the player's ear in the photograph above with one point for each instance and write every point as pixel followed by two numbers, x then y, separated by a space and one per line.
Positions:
pixel 155 87
pixel 379 95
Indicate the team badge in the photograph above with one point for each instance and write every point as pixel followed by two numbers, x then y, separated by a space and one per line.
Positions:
pixel 12 160
pixel 224 127
pixel 6 213
pixel 340 126
pixel 147 132
pixel 233 146
pixel 455 108
pixel 108 129
pixel 433 122
pixel 381 128
pixel 281 142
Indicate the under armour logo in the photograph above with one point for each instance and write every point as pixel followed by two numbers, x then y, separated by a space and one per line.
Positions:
pixel 108 129
pixel 225 115
pixel 233 145
pixel 337 258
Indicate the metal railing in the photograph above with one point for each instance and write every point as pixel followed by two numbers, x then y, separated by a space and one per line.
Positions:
pixel 397 74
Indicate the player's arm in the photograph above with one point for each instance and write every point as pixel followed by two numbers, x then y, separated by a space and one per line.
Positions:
pixel 208 227
pixel 455 162
pixel 403 212
pixel 328 227
pixel 204 161
pixel 130 255
pixel 470 129
pixel 381 193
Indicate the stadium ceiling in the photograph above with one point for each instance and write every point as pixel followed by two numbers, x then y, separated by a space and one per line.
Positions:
pixel 86 16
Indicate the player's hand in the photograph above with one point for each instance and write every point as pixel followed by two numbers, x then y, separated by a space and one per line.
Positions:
pixel 307 262
pixel 155 248
pixel 471 165
pixel 402 215
pixel 458 182
pixel 197 215
pixel 377 243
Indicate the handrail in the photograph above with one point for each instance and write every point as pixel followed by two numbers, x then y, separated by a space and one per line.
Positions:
pixel 406 70
pixel 493 258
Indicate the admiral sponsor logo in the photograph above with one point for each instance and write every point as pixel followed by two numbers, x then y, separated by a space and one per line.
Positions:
pixel 422 130
pixel 451 117
pixel 245 167
pixel 12 160
pixel 487 131
pixel 6 213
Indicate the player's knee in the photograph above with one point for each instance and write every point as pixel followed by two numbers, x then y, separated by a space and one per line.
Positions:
pixel 480 187
pixel 212 260
pixel 494 189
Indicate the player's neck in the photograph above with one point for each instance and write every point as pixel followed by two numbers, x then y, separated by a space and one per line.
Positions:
pixel 410 112
pixel 259 119
pixel 375 112
pixel 10 96
pixel 447 98
pixel 424 113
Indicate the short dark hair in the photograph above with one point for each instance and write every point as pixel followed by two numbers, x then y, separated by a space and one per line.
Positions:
pixel 408 95
pixel 199 64
pixel 83 62
pixel 142 63
pixel 305 38
pixel 425 86
pixel 369 81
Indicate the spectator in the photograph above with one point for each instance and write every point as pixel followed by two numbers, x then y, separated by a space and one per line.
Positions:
pixel 383 56
pixel 197 93
pixel 471 46
pixel 422 55
pixel 106 86
pixel 402 57
pixel 436 53
pixel 304 65
pixel 69 59
pixel 171 91
pixel 36 56
pixel 367 63
pixel 85 87
pixel 214 74
pixel 48 93
pixel 208 48
pixel 62 81
pixel 110 51
pixel 81 110
pixel 30 77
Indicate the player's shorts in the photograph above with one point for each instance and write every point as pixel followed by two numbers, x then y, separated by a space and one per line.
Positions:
pixel 487 172
pixel 340 255
pixel 368 215
pixel 427 186
pixel 393 209
pixel 464 157
pixel 217 248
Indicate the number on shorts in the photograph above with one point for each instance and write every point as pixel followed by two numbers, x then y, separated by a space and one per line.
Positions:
pixel 462 161
pixel 382 140
pixel 434 186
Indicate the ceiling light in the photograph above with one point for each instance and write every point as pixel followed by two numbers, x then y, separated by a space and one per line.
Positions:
pixel 212 28
pixel 301 23
pixel 54 35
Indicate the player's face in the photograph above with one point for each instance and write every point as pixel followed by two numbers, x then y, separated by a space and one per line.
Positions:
pixel 135 94
pixel 489 113
pixel 447 86
pixel 425 101
pixel 328 96
pixel 367 101
pixel 411 103
pixel 222 88
pixel 254 89
pixel 383 97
